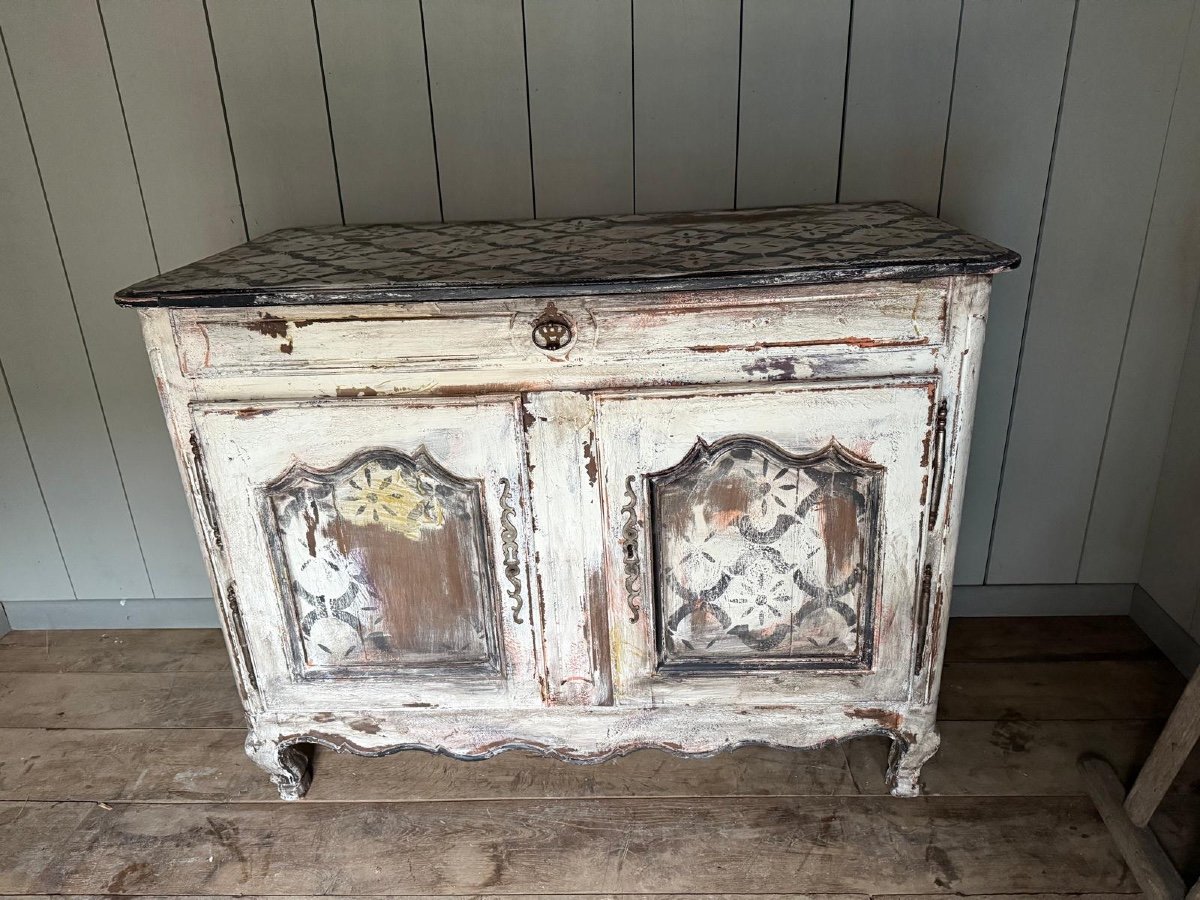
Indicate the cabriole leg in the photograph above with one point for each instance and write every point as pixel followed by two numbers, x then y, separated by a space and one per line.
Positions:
pixel 909 753
pixel 288 767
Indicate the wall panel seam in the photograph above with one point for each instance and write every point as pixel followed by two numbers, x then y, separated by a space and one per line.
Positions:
pixel 237 180
pixel 737 115
pixel 837 191
pixel 528 109
pixel 1012 409
pixel 950 104
pixel 36 478
pixel 337 177
pixel 437 167
pixel 137 175
pixel 62 261
pixel 633 100
pixel 1137 280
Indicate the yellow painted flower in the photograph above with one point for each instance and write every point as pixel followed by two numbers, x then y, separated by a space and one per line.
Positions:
pixel 374 496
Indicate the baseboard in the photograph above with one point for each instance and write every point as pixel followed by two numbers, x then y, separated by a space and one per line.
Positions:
pixel 1041 600
pixel 24 615
pixel 968 600
pixel 1170 637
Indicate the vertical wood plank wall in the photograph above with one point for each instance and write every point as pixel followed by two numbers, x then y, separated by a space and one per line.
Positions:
pixel 136 135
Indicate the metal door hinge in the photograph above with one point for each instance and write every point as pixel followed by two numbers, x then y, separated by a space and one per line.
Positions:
pixel 939 464
pixel 508 540
pixel 205 499
pixel 922 616
pixel 239 632
pixel 630 552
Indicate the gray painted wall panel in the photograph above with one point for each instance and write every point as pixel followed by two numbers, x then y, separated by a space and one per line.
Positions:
pixel 33 568
pixel 275 99
pixel 1116 106
pixel 1170 569
pixel 1012 55
pixel 685 103
pixel 580 55
pixel 52 387
pixel 374 56
pixel 1154 346
pixel 162 613
pixel 688 104
pixel 790 119
pixel 176 126
pixel 898 99
pixel 480 111
pixel 78 134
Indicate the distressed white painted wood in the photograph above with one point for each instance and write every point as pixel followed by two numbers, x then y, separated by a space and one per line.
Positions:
pixel 580 71
pixel 793 64
pixel 1155 343
pixel 1011 59
pixel 88 173
pixel 476 51
pixel 685 103
pixel 475 525
pixel 1116 105
pixel 172 106
pixel 645 432
pixel 562 452
pixel 268 61
pixel 897 99
pixel 427 338
pixel 243 451
pixel 374 55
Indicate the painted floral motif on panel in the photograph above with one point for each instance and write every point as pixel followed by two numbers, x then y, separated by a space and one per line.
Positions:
pixel 762 554
pixel 385 561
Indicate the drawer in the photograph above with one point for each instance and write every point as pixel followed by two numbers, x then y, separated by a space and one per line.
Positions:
pixel 349 339
pixel 214 343
pixel 862 316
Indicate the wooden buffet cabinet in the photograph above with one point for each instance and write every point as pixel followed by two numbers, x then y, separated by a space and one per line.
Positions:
pixel 580 486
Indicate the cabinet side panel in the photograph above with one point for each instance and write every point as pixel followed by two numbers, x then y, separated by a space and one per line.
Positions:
pixel 173 391
pixel 960 386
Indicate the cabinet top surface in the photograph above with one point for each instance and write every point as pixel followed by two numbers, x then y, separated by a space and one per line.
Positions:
pixel 560 257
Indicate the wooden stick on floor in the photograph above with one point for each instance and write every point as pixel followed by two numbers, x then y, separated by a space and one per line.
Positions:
pixel 1127 816
pixel 1153 869
pixel 1166 759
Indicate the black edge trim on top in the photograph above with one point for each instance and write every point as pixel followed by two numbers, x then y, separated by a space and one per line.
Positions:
pixel 895 270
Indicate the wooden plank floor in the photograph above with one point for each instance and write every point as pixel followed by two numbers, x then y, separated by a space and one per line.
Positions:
pixel 122 773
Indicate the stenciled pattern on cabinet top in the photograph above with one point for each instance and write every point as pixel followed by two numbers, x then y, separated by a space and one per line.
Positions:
pixel 385 562
pixel 764 555
pixel 613 254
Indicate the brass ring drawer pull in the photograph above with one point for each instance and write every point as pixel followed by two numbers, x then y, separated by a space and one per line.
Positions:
pixel 552 334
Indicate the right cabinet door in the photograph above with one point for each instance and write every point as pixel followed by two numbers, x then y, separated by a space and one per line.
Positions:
pixel 766 546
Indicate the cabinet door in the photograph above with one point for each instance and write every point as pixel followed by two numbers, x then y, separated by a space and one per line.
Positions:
pixel 376 549
pixel 765 546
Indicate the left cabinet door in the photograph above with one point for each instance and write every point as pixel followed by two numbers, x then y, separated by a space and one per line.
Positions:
pixel 377 549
